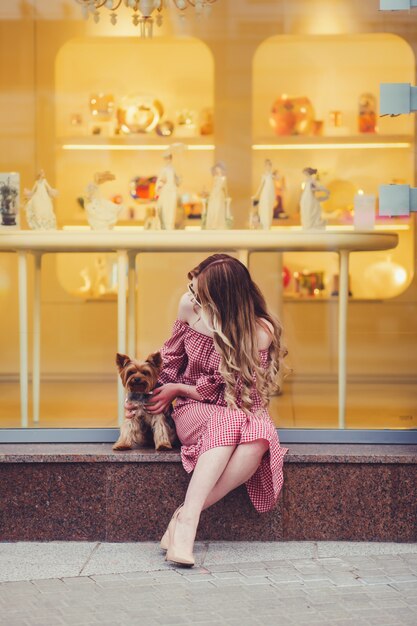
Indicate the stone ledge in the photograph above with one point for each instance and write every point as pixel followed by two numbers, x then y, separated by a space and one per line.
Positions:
pixel 298 453
pixel 87 492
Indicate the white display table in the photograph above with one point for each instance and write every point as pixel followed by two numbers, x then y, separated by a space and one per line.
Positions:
pixel 128 244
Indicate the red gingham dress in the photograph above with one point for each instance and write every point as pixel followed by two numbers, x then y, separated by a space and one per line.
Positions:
pixel 189 357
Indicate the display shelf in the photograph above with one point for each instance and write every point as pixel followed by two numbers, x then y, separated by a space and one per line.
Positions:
pixel 337 142
pixel 395 224
pixel 326 299
pixel 139 143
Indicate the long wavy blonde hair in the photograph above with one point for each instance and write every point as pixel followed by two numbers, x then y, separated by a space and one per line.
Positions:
pixel 232 305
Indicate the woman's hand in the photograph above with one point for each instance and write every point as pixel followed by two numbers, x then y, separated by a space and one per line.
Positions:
pixel 162 397
pixel 130 409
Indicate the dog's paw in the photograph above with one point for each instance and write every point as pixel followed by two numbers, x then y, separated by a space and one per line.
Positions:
pixel 164 445
pixel 121 446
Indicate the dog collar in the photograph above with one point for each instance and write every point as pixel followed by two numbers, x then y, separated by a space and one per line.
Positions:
pixel 135 396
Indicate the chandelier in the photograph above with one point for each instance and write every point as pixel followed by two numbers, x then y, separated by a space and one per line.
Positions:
pixel 143 11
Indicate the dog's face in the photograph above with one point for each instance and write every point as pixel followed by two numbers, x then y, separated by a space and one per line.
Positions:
pixel 138 376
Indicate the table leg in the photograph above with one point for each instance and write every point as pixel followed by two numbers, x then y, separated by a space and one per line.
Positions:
pixel 280 286
pixel 343 304
pixel 280 310
pixel 244 257
pixel 36 336
pixel 131 300
pixel 121 322
pixel 23 336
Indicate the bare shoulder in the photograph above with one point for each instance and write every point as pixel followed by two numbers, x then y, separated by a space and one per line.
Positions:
pixel 185 308
pixel 264 333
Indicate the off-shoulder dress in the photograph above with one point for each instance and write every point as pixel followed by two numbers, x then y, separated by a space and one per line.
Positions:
pixel 189 357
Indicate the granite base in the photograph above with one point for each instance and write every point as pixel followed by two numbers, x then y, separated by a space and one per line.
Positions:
pixel 90 493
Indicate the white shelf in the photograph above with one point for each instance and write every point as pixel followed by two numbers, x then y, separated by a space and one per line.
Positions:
pixel 142 143
pixel 350 142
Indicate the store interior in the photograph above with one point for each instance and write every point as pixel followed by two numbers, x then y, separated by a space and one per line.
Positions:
pixel 213 90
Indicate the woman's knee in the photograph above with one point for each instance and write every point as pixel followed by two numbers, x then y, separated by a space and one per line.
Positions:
pixel 256 448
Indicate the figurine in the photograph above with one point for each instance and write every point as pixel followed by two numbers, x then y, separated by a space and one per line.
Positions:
pixel 152 221
pixel 102 214
pixel 101 283
pixel 310 208
pixel 266 195
pixel 86 287
pixel 216 214
pixel 254 220
pixel 367 116
pixel 39 209
pixel 279 182
pixel 9 198
pixel 167 193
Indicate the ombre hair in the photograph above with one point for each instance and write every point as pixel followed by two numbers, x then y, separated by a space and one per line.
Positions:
pixel 231 306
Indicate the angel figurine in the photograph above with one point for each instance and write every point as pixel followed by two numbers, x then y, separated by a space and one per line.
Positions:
pixel 310 207
pixel 166 190
pixel 39 208
pixel 266 196
pixel 217 214
pixel 102 214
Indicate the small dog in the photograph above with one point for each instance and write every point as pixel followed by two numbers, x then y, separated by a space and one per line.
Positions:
pixel 139 379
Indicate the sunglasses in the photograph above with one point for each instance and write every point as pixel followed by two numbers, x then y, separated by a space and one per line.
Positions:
pixel 193 294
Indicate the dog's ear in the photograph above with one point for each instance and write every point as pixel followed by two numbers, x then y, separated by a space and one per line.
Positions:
pixel 155 359
pixel 122 360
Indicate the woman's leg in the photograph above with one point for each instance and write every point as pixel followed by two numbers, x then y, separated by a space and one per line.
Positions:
pixel 210 466
pixel 242 465
pixel 224 468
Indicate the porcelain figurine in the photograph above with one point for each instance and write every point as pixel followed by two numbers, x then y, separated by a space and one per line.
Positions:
pixel 266 196
pixel 102 214
pixel 217 214
pixel 279 182
pixel 310 208
pixel 254 220
pixel 152 221
pixel 101 281
pixel 166 190
pixel 39 208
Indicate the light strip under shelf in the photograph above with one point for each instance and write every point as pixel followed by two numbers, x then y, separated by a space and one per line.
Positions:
pixel 137 147
pixel 332 146
pixel 346 227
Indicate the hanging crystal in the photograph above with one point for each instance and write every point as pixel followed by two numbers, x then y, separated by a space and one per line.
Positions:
pixel 149 26
pixel 143 10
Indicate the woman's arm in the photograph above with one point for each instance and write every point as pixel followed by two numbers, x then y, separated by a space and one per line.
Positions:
pixel 163 396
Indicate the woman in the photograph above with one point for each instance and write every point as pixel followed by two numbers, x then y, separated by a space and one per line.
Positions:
pixel 220 365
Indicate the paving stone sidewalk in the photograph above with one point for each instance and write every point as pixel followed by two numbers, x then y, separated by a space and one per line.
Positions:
pixel 288 583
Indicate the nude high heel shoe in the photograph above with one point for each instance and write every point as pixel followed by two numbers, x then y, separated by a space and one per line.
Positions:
pixel 164 543
pixel 172 554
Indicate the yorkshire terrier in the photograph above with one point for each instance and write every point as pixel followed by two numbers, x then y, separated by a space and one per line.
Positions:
pixel 144 428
